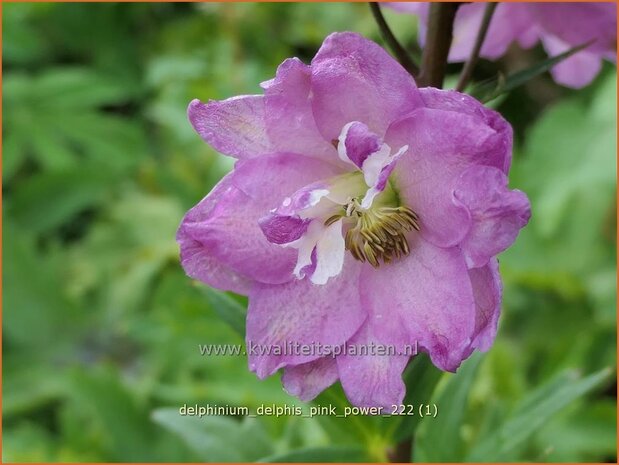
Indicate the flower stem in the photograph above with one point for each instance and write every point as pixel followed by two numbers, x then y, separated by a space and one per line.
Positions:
pixel 400 52
pixel 438 41
pixel 469 66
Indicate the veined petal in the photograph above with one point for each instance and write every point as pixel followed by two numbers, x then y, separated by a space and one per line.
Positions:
pixel 200 264
pixel 353 79
pixel 302 313
pixel 499 151
pixel 223 228
pixel 497 213
pixel 371 378
pixel 442 144
pixel 440 148
pixel 307 380
pixel 283 229
pixel 234 127
pixel 288 113
pixel 431 292
pixel 487 290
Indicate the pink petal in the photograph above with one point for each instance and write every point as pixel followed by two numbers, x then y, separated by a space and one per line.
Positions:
pixel 579 22
pixel 353 79
pixel 200 264
pixel 442 144
pixel 509 22
pixel 301 312
pixel 289 119
pixel 308 380
pixel 497 213
pixel 576 71
pixel 500 154
pixel 374 379
pixel 431 294
pixel 234 127
pixel 356 143
pixel 221 234
pixel 487 290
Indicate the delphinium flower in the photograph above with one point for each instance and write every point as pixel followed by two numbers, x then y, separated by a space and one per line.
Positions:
pixel 362 210
pixel 559 27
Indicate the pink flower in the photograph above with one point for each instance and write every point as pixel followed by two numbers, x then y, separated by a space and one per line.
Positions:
pixel 362 210
pixel 559 27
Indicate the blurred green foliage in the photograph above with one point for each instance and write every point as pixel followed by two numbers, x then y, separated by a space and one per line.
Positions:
pixel 101 327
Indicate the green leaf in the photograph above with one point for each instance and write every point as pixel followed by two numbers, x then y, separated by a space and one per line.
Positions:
pixel 49 199
pixel 30 386
pixel 568 174
pixel 35 307
pixel 491 89
pixel 533 413
pixel 331 454
pixel 57 118
pixel 228 309
pixel 79 89
pixel 583 433
pixel 439 439
pixel 217 438
pixel 129 434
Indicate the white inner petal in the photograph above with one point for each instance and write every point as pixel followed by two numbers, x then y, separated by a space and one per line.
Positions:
pixel 341 146
pixel 330 251
pixel 374 163
pixel 372 168
pixel 305 245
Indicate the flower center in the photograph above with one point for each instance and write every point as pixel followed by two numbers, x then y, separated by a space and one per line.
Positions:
pixel 378 234
pixel 356 211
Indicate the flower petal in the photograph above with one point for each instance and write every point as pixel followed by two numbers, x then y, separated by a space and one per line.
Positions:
pixel 353 79
pixel 223 228
pixel 497 213
pixel 289 119
pixel 371 378
pixel 307 380
pixel 356 143
pixel 376 171
pixel 299 312
pixel 234 127
pixel 441 145
pixel 579 22
pixel 509 22
pixel 431 292
pixel 200 264
pixel 500 154
pixel 576 71
pixel 487 289
pixel 330 252
pixel 282 229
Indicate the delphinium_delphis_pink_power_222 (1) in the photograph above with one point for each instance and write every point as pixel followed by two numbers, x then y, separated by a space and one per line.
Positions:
pixel 361 210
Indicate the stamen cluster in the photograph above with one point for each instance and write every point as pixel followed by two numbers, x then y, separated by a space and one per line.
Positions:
pixel 378 234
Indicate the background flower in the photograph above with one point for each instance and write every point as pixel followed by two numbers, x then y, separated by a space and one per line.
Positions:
pixel 558 26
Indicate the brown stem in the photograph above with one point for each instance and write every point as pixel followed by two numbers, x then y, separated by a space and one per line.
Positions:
pixel 401 452
pixel 400 52
pixel 438 41
pixel 469 66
